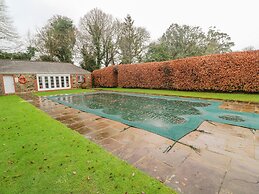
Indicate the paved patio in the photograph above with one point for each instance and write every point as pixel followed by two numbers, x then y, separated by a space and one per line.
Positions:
pixel 216 158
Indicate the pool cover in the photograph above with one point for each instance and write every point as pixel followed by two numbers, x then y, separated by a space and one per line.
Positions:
pixel 171 117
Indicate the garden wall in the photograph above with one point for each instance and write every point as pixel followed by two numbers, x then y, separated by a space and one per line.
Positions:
pixel 238 71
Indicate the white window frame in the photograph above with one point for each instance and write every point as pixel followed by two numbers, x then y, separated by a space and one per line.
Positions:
pixel 55 84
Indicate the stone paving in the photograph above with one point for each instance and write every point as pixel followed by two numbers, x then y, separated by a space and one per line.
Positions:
pixel 216 158
pixel 242 107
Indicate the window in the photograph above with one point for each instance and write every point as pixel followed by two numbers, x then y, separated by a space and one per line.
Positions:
pixel 67 81
pixel 57 81
pixel 46 82
pixel 62 82
pixel 80 78
pixel 53 82
pixel 40 83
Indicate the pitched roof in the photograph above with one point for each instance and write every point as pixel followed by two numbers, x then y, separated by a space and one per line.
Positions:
pixel 11 67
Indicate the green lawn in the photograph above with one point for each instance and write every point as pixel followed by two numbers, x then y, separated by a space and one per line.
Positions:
pixel 208 95
pixel 40 155
pixel 72 91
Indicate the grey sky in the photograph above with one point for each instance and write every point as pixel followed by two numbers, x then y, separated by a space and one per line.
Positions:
pixel 237 18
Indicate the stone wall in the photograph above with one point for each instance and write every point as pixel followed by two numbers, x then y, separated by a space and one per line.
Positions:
pixel 31 82
pixel 1 85
pixel 29 86
pixel 76 84
pixel 88 80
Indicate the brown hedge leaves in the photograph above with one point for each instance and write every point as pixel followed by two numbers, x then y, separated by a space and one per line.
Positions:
pixel 106 77
pixel 238 71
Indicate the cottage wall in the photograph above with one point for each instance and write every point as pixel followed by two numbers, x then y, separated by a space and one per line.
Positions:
pixel 76 84
pixel 29 86
pixel 31 82
pixel 88 80
pixel 1 85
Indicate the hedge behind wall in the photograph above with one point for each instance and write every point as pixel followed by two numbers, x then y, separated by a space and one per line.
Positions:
pixel 227 72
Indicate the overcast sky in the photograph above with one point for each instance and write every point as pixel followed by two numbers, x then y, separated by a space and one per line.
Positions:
pixel 238 18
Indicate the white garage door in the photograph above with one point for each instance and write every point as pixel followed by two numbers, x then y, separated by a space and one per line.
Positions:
pixel 8 84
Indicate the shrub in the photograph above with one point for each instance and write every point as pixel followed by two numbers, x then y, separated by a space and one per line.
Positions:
pixel 228 72
pixel 106 77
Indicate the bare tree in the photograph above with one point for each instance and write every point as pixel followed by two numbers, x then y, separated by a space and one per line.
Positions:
pixel 98 37
pixel 111 43
pixel 249 48
pixel 8 35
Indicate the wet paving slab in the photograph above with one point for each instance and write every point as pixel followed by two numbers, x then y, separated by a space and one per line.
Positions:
pixel 241 106
pixel 242 177
pixel 216 158
pixel 110 144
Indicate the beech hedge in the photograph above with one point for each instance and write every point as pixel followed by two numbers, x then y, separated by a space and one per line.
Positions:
pixel 228 72
pixel 106 77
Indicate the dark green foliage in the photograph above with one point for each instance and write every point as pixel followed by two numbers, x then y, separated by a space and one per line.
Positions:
pixel 89 62
pixel 31 51
pixel 180 41
pixel 183 41
pixel 217 42
pixel 19 55
pixel 47 58
pixel 57 39
pixel 126 41
pixel 132 42
pixel 157 52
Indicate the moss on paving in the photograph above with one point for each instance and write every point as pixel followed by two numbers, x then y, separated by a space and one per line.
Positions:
pixel 208 95
pixel 72 91
pixel 41 155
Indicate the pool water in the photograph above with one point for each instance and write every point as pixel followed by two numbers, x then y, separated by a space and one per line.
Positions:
pixel 171 117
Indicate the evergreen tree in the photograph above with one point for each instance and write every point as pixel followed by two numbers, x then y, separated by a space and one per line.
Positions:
pixel 133 40
pixel 56 40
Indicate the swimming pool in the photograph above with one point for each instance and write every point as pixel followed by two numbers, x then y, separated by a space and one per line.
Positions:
pixel 171 117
